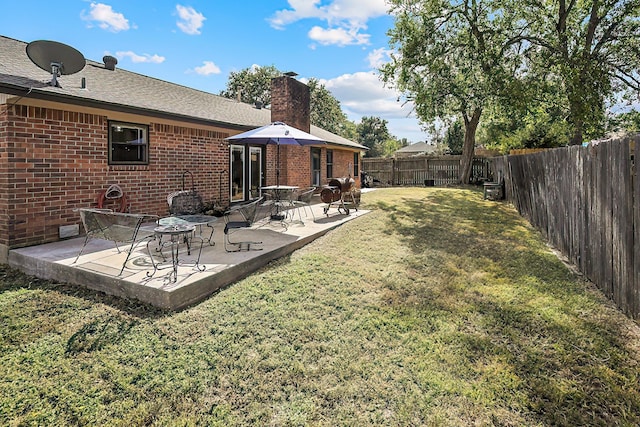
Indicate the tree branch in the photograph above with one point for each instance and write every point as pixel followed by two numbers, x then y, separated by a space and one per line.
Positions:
pixel 594 20
pixel 627 78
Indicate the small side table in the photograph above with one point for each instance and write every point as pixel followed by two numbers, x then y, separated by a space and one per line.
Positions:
pixel 199 221
pixel 172 236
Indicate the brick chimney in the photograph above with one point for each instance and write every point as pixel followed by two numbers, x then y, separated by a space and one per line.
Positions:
pixel 291 102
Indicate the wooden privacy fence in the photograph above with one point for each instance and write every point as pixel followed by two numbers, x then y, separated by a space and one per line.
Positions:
pixel 440 170
pixel 586 201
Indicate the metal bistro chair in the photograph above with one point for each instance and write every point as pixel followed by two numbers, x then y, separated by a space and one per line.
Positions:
pixel 248 213
pixel 114 226
pixel 303 201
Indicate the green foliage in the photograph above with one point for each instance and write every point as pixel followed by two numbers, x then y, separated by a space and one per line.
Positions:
pixel 373 133
pixel 533 128
pixel 454 138
pixel 254 85
pixel 390 146
pixel 326 111
pixel 625 122
pixel 454 59
pixel 458 57
pixel 590 48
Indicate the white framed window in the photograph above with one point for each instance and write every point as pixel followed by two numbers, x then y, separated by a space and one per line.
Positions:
pixel 329 164
pixel 356 164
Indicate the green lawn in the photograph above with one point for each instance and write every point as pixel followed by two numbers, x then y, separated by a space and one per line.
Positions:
pixel 437 308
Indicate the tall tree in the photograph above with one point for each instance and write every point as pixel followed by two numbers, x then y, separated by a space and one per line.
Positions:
pixel 373 133
pixel 254 85
pixel 251 85
pixel 326 111
pixel 453 58
pixel 594 48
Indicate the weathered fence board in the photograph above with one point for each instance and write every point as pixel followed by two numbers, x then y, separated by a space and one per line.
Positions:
pixel 586 202
pixel 442 170
pixel 633 292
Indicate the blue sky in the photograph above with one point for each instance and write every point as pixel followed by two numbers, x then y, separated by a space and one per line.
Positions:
pixel 198 43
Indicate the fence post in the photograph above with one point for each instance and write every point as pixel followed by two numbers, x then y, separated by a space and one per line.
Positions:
pixel 393 172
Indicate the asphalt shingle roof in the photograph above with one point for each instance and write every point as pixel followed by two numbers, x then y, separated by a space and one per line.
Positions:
pixel 418 147
pixel 124 89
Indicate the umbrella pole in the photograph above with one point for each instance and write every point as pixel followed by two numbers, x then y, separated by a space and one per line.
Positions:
pixel 278 205
pixel 278 165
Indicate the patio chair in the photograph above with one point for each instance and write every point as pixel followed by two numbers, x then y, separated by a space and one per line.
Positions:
pixel 303 201
pixel 116 227
pixel 247 213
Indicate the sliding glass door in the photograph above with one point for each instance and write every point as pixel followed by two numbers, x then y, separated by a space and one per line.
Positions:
pixel 238 183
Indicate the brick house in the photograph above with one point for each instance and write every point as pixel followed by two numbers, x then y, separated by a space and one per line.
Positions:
pixel 60 147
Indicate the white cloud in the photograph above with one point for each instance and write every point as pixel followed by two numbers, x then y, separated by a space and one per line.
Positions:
pixel 363 94
pixel 208 68
pixel 337 36
pixel 378 57
pixel 106 18
pixel 355 11
pixel 346 19
pixel 190 20
pixel 134 57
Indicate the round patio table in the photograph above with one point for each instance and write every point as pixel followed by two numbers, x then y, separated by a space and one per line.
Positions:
pixel 172 236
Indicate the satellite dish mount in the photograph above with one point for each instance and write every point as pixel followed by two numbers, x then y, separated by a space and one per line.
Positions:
pixel 57 58
pixel 55 73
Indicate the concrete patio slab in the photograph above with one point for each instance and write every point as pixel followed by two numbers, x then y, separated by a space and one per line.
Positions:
pixel 99 266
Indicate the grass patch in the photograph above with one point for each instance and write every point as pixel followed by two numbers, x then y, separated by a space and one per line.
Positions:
pixel 437 308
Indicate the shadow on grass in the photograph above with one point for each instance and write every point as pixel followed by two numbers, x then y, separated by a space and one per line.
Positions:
pixel 459 224
pixel 480 267
pixel 98 333
pixel 12 280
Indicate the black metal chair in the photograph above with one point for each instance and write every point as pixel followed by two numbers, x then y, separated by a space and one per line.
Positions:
pixel 247 214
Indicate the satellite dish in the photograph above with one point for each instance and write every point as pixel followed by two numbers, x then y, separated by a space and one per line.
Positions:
pixel 57 58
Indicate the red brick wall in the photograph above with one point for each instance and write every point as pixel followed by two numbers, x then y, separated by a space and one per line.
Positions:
pixel 291 103
pixel 54 161
pixel 4 182
pixel 296 165
pixel 343 164
pixel 299 166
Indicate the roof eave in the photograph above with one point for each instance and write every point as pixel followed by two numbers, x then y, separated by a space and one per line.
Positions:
pixel 24 92
pixel 27 92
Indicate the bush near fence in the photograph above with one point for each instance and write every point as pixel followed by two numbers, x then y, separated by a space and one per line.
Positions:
pixel 586 201
pixel 412 171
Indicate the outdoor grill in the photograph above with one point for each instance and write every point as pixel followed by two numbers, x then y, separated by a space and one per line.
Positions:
pixel 340 193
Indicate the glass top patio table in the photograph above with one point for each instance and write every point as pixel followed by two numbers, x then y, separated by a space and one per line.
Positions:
pixel 278 192
pixel 193 220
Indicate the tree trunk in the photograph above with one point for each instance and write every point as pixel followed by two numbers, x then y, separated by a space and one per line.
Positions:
pixel 576 138
pixel 577 110
pixel 466 161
